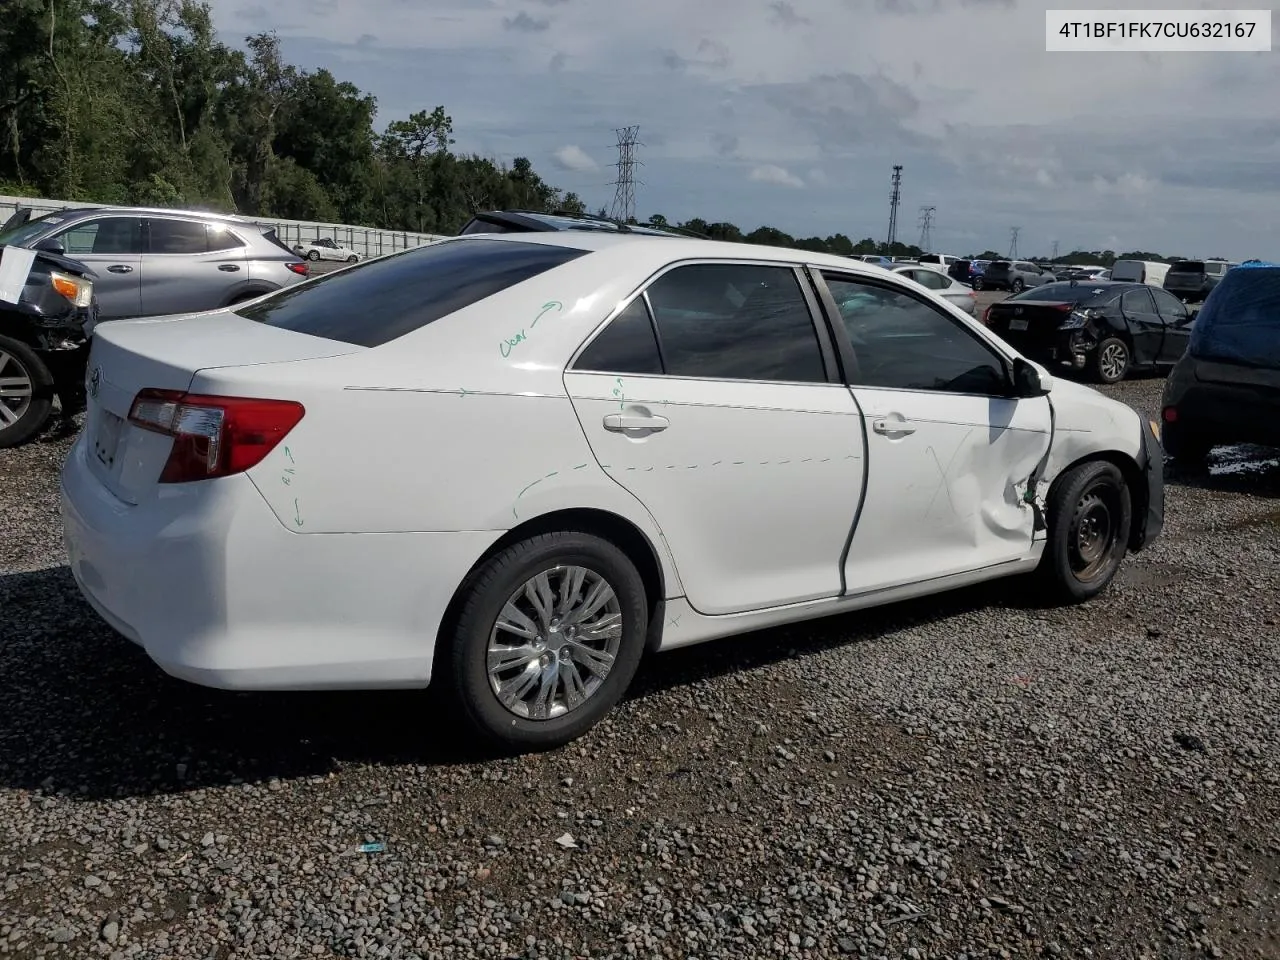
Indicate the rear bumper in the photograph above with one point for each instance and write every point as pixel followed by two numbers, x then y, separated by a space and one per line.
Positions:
pixel 1230 413
pixel 219 593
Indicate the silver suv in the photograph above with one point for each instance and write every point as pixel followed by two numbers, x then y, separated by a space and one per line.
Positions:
pixel 151 262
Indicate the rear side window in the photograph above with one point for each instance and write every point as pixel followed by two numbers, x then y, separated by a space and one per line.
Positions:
pixel 178 236
pixel 376 301
pixel 626 345
pixel 736 322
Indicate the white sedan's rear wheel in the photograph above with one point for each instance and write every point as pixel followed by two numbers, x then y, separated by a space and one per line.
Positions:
pixel 549 637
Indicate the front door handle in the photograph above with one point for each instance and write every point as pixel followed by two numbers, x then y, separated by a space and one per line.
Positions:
pixel 228 267
pixel 891 426
pixel 621 423
pixel 120 268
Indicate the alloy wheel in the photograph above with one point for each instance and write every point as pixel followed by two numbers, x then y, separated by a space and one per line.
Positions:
pixel 554 643
pixel 1112 360
pixel 16 390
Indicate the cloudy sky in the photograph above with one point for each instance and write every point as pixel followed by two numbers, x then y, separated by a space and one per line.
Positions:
pixel 792 113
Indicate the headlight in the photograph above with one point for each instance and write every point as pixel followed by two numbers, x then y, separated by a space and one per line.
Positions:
pixel 76 289
pixel 1074 321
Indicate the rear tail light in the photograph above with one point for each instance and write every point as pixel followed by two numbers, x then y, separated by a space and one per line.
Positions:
pixel 213 436
pixel 299 267
pixel 986 315
pixel 1170 414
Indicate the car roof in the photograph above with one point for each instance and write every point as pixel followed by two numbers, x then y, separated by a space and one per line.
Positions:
pixel 154 211
pixel 538 220
pixel 680 248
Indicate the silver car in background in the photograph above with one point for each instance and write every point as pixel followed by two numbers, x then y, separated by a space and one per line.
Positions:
pixel 931 277
pixel 153 262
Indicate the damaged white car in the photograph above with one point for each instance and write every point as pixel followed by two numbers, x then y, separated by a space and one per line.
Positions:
pixel 549 453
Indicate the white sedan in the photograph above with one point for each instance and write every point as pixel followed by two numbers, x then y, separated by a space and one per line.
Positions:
pixel 947 287
pixel 512 465
pixel 323 248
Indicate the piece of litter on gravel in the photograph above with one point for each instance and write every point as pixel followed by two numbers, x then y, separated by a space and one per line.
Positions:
pixel 1189 741
pixel 371 847
pixel 566 840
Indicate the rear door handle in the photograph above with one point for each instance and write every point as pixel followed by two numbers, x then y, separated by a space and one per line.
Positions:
pixel 228 267
pixel 621 422
pixel 884 425
pixel 120 268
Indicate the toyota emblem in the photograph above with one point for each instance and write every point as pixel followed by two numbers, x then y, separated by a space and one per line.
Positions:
pixel 95 381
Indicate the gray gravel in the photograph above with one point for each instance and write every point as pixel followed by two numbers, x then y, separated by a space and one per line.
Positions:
pixel 964 777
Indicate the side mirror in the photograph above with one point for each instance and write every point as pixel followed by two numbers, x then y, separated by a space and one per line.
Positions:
pixel 51 245
pixel 1030 380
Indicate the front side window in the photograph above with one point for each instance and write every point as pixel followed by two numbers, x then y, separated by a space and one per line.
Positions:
pixel 736 321
pixel 376 301
pixel 108 235
pixel 901 343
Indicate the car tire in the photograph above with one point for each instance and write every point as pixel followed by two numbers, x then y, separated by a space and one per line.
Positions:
pixel 352 259
pixel 1184 448
pixel 1017 286
pixel 1110 360
pixel 1089 516
pixel 476 640
pixel 313 255
pixel 978 284
pixel 19 363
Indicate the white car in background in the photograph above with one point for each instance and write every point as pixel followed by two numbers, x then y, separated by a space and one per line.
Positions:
pixel 323 248
pixel 935 281
pixel 511 465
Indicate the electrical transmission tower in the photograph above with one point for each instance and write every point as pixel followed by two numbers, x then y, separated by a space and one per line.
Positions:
pixel 926 227
pixel 893 204
pixel 1013 242
pixel 624 196
pixel 1055 251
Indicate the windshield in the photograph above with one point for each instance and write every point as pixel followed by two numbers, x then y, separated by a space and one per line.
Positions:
pixel 19 235
pixel 1060 293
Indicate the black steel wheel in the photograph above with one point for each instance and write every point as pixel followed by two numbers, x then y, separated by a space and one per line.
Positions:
pixel 1090 514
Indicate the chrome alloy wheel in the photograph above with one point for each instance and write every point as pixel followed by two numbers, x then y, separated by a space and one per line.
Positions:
pixel 16 390
pixel 554 643
pixel 1113 360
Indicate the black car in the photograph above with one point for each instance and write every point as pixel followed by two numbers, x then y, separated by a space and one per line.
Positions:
pixel 1106 328
pixel 534 221
pixel 44 345
pixel 1226 388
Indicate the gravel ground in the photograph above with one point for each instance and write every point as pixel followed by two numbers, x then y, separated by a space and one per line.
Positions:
pixel 964 777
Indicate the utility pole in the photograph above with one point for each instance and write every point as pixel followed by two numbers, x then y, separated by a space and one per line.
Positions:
pixel 893 204
pixel 624 196
pixel 926 228
pixel 1013 242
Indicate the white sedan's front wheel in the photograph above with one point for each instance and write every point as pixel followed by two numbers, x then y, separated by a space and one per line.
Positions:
pixel 549 636
pixel 1090 514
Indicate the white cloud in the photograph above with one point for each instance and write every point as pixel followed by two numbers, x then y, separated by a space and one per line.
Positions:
pixel 573 157
pixel 993 132
pixel 772 173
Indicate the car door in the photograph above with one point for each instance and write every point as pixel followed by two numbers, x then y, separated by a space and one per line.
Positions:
pixel 950 448
pixel 714 399
pixel 1176 319
pixel 111 246
pixel 1145 325
pixel 180 274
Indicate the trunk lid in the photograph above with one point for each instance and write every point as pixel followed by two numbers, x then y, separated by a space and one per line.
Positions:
pixel 166 353
pixel 1029 326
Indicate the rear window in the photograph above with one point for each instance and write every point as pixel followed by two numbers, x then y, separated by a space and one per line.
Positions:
pixel 999 265
pixel 377 301
pixel 1188 266
pixel 1060 293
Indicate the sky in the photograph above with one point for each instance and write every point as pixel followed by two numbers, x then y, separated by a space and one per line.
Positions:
pixel 792 113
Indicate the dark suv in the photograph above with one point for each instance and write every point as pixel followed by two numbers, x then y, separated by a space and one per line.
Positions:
pixel 535 221
pixel 1193 280
pixel 1226 387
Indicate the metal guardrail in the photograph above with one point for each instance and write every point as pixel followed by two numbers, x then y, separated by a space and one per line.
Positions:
pixel 366 241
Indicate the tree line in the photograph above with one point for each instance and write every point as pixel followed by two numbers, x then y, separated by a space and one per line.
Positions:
pixel 136 102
